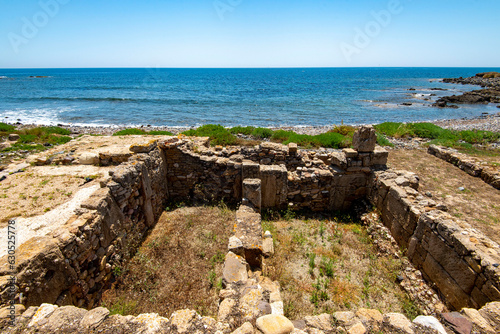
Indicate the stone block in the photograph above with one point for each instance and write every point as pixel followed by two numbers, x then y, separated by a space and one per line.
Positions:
pixel 253 192
pixel 350 153
pixel 235 269
pixel 274 186
pixel 364 139
pixel 292 148
pixel 453 293
pixel 274 324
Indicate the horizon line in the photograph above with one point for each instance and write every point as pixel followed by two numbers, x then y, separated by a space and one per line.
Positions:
pixel 256 67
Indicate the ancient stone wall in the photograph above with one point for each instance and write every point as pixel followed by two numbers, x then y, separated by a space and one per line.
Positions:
pixel 469 165
pixel 461 262
pixel 73 265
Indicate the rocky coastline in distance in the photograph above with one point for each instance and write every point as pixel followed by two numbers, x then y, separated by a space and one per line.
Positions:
pixel 489 81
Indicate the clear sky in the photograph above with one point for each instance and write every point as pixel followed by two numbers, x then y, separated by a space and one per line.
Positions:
pixel 249 33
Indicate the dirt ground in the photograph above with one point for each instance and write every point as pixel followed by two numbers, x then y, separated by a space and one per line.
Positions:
pixel 478 204
pixel 178 266
pixel 328 264
pixel 40 189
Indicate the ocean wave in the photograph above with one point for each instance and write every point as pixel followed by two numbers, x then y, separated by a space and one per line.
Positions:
pixel 91 99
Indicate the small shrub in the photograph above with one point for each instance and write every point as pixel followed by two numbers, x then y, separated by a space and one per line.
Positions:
pixel 247 130
pixel 218 134
pixel 262 133
pixel 128 132
pixel 160 133
pixel 383 141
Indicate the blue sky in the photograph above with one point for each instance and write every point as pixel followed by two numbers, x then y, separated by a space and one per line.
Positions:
pixel 244 33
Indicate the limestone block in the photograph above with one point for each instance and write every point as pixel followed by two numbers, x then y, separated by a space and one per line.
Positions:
pixel 274 185
pixel 236 246
pixel 370 315
pixel 350 153
pixel 430 322
pixel 89 158
pixel 292 148
pixel 398 322
pixel 246 328
pixel 477 319
pixel 267 244
pixel 248 229
pixel 364 139
pixel 448 287
pixel 183 320
pixel 322 321
pixel 345 318
pixel 357 328
pixel 491 312
pixel 274 324
pixel 235 269
pixel 253 192
pixel 64 319
pixel 379 156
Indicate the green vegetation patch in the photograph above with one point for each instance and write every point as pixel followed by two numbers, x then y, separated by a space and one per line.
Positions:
pixel 439 136
pixel 218 134
pixel 135 131
pixel 6 127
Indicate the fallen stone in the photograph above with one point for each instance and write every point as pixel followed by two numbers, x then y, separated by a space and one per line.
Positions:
pixel 322 321
pixel 358 328
pixel 369 315
pixel 14 137
pixel 89 158
pixel 458 323
pixel 398 322
pixel 344 318
pixel 274 324
pixel 247 328
pixel 430 322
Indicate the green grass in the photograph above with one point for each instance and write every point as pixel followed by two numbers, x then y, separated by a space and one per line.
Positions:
pixel 6 127
pixel 218 134
pixel 135 131
pixel 33 139
pixel 439 136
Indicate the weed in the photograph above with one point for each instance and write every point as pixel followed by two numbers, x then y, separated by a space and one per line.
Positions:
pixel 128 132
pixel 217 258
pixel 312 264
pixel 326 267
pixel 6 127
pixel 212 275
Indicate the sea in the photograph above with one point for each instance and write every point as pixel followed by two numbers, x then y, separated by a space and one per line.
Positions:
pixel 266 97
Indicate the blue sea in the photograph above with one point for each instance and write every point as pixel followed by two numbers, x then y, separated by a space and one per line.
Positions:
pixel 259 97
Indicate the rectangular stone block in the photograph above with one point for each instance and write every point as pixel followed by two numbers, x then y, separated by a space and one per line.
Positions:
pixel 252 192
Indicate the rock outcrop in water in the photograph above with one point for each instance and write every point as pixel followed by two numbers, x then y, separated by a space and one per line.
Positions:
pixel 490 81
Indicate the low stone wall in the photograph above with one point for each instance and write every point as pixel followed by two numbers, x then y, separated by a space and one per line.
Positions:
pixel 469 165
pixel 461 262
pixel 73 265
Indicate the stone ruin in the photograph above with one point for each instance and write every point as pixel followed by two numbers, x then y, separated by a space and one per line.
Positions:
pixel 61 275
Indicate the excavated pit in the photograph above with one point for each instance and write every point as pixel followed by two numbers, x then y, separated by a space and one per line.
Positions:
pixel 74 261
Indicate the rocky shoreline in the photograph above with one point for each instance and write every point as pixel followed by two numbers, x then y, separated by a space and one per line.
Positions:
pixel 485 123
pixel 490 81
